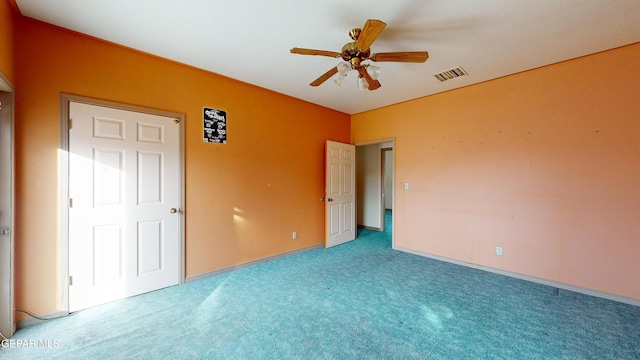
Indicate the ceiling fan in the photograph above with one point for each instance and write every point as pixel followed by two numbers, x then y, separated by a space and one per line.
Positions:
pixel 357 51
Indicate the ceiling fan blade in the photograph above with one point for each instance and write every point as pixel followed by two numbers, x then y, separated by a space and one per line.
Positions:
pixel 302 51
pixel 370 32
pixel 324 77
pixel 407 56
pixel 373 84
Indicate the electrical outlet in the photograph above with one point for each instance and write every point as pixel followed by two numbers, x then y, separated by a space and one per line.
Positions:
pixel 499 250
pixel 294 235
pixel 406 186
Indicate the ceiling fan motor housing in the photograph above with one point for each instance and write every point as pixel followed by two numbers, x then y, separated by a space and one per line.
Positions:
pixel 351 53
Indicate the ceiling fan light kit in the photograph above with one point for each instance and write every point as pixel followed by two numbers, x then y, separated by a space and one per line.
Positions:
pixel 362 83
pixel 359 50
pixel 343 71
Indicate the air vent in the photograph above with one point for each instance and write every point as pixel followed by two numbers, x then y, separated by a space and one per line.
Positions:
pixel 451 74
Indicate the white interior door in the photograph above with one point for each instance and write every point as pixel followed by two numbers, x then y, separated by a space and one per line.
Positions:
pixel 7 326
pixel 340 193
pixel 124 216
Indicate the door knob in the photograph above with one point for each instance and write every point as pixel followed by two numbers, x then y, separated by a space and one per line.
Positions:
pixel 4 231
pixel 329 199
pixel 173 210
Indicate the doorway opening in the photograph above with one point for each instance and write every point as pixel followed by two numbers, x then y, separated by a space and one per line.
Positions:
pixel 374 181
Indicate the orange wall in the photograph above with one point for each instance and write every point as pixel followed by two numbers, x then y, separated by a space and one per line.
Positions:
pixel 545 163
pixel 6 40
pixel 243 199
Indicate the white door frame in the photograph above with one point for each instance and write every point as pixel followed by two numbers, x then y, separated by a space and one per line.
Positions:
pixel 63 185
pixel 393 187
pixel 383 190
pixel 7 289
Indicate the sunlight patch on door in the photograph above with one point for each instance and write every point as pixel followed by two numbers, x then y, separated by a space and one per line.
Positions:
pixel 108 170
pixel 107 253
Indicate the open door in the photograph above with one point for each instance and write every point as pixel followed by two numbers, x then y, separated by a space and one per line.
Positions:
pixel 340 193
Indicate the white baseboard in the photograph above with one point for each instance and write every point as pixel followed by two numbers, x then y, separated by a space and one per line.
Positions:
pixel 370 228
pixel 30 321
pixel 247 264
pixel 555 284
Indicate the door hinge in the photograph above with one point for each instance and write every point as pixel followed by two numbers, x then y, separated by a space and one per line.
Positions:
pixel 69 123
pixel 70 202
pixel 70 280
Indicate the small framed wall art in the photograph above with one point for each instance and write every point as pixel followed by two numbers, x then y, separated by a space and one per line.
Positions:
pixel 215 125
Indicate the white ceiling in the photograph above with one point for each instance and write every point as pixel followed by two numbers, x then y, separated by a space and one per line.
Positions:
pixel 249 40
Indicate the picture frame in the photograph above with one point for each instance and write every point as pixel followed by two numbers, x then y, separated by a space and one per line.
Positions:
pixel 214 125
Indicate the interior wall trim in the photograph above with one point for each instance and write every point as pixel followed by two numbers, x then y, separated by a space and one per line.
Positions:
pixel 5 84
pixel 33 321
pixel 551 283
pixel 7 206
pixel 370 228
